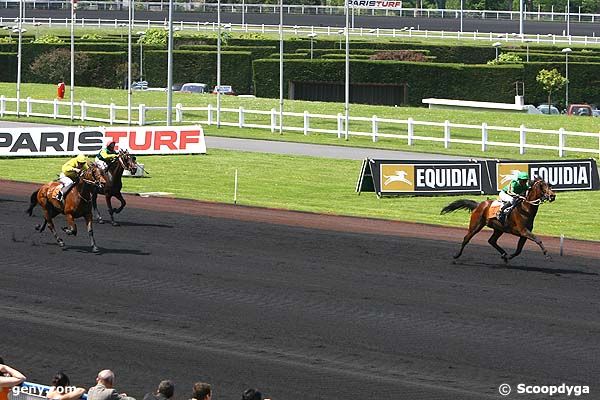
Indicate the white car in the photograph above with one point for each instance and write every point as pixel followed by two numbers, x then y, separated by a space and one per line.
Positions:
pixel 548 109
pixel 193 88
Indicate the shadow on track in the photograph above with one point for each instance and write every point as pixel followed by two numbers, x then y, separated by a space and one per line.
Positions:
pixel 11 201
pixel 85 249
pixel 135 224
pixel 551 271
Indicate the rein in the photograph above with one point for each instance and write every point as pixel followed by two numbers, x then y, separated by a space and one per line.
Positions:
pixel 536 202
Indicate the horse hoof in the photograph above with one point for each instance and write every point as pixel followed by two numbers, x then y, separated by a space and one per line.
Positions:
pixel 548 257
pixel 505 258
pixel 38 227
pixel 114 223
pixel 61 244
pixel 95 249
pixel 116 210
pixel 100 221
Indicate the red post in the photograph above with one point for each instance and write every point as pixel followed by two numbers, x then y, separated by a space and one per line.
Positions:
pixel 60 91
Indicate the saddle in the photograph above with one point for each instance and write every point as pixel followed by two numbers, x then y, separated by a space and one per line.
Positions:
pixel 493 210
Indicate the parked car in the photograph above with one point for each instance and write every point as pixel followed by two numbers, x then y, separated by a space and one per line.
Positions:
pixel 548 109
pixel 224 89
pixel 193 88
pixel 177 87
pixel 580 110
pixel 141 85
pixel 596 113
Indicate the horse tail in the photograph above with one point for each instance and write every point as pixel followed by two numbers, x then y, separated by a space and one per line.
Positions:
pixel 32 202
pixel 463 204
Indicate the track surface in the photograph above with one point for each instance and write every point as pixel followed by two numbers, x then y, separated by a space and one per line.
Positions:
pixel 301 313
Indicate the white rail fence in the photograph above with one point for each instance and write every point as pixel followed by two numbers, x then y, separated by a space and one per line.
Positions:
pixel 410 130
pixel 405 32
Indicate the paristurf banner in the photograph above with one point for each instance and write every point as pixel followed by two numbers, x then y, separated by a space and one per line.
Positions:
pixel 66 141
pixel 374 4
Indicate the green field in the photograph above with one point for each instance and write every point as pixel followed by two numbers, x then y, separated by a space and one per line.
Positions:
pixel 119 97
pixel 309 184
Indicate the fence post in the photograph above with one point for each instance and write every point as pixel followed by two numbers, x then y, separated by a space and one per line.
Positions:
pixel 374 128
pixel 411 131
pixel 561 142
pixel 522 139
pixel 142 114
pixel 339 126
pixel 178 112
pixel 111 113
pixel 306 122
pixel 446 134
pixel 2 106
pixel 241 117
pixel 28 102
pixel 273 120
pixel 55 111
pixel 484 136
pixel 83 110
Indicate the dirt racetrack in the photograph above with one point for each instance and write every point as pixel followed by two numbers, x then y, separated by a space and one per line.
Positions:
pixel 301 306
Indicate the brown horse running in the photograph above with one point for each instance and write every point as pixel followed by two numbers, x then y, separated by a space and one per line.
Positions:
pixel 518 223
pixel 124 161
pixel 77 203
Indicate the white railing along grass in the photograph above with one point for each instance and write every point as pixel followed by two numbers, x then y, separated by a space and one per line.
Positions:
pixel 303 31
pixel 409 130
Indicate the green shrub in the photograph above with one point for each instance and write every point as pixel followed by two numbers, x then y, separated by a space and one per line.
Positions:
pixel 8 72
pixel 48 39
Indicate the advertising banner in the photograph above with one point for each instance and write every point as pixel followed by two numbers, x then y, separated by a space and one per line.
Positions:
pixel 66 141
pixel 381 4
pixel 395 177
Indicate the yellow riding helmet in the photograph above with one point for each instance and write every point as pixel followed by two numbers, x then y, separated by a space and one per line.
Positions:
pixel 81 158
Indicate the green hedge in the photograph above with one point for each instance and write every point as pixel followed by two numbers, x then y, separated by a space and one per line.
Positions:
pixel 554 57
pixel 453 81
pixel 8 72
pixel 197 66
pixel 256 51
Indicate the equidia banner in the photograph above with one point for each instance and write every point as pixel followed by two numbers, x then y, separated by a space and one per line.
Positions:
pixel 395 177
pixel 65 141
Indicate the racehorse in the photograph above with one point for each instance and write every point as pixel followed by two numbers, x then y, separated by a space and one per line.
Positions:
pixel 519 222
pixel 124 161
pixel 77 203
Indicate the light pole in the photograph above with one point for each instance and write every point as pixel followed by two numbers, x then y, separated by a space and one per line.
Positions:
pixel 312 36
pixel 129 93
pixel 527 41
pixel 19 56
pixel 170 66
pixel 218 63
pixel 280 67
pixel 461 15
pixel 521 18
pixel 341 32
pixel 568 18
pixel 72 94
pixel 141 34
pixel 497 46
pixel 566 50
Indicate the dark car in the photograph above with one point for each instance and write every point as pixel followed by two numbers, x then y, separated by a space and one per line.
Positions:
pixel 584 110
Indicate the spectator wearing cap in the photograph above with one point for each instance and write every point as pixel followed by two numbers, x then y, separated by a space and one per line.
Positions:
pixel 9 377
pixel 104 388
pixel 201 391
pixel 61 388
pixel 165 391
pixel 252 394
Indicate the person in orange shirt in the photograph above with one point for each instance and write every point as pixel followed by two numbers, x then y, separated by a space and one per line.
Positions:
pixel 9 377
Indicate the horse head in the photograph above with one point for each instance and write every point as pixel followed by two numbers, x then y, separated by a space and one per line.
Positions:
pixel 94 175
pixel 128 161
pixel 540 191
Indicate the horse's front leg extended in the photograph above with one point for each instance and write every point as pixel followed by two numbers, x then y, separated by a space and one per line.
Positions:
pixel 493 241
pixel 529 235
pixel 88 220
pixel 71 229
pixel 120 197
pixel 95 212
pixel 111 210
pixel 50 222
pixel 520 245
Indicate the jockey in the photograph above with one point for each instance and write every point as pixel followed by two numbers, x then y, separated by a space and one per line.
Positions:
pixel 70 172
pixel 511 193
pixel 106 156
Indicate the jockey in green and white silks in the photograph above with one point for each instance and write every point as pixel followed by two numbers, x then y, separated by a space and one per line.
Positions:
pixel 512 192
pixel 70 172
pixel 106 156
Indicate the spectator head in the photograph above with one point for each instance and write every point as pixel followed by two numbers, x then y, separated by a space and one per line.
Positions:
pixel 166 388
pixel 60 380
pixel 251 394
pixel 201 391
pixel 106 378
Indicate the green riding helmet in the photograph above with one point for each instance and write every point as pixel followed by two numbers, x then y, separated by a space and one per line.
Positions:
pixel 523 175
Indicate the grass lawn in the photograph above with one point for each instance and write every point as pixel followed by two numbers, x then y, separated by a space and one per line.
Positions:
pixel 309 184
pixel 119 97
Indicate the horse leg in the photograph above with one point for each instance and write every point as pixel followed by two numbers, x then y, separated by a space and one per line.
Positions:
pixel 520 245
pixel 120 197
pixel 475 226
pixel 493 241
pixel 40 228
pixel 95 207
pixel 88 220
pixel 111 210
pixel 72 228
pixel 529 235
pixel 48 219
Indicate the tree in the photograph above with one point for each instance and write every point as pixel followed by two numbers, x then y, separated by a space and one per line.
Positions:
pixel 551 81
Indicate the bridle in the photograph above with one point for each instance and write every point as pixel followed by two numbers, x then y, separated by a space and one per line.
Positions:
pixel 541 200
pixel 95 182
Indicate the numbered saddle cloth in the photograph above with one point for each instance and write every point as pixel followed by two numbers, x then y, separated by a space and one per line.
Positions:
pixel 494 209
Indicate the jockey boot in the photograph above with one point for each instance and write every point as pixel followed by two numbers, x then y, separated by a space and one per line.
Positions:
pixel 504 211
pixel 60 196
